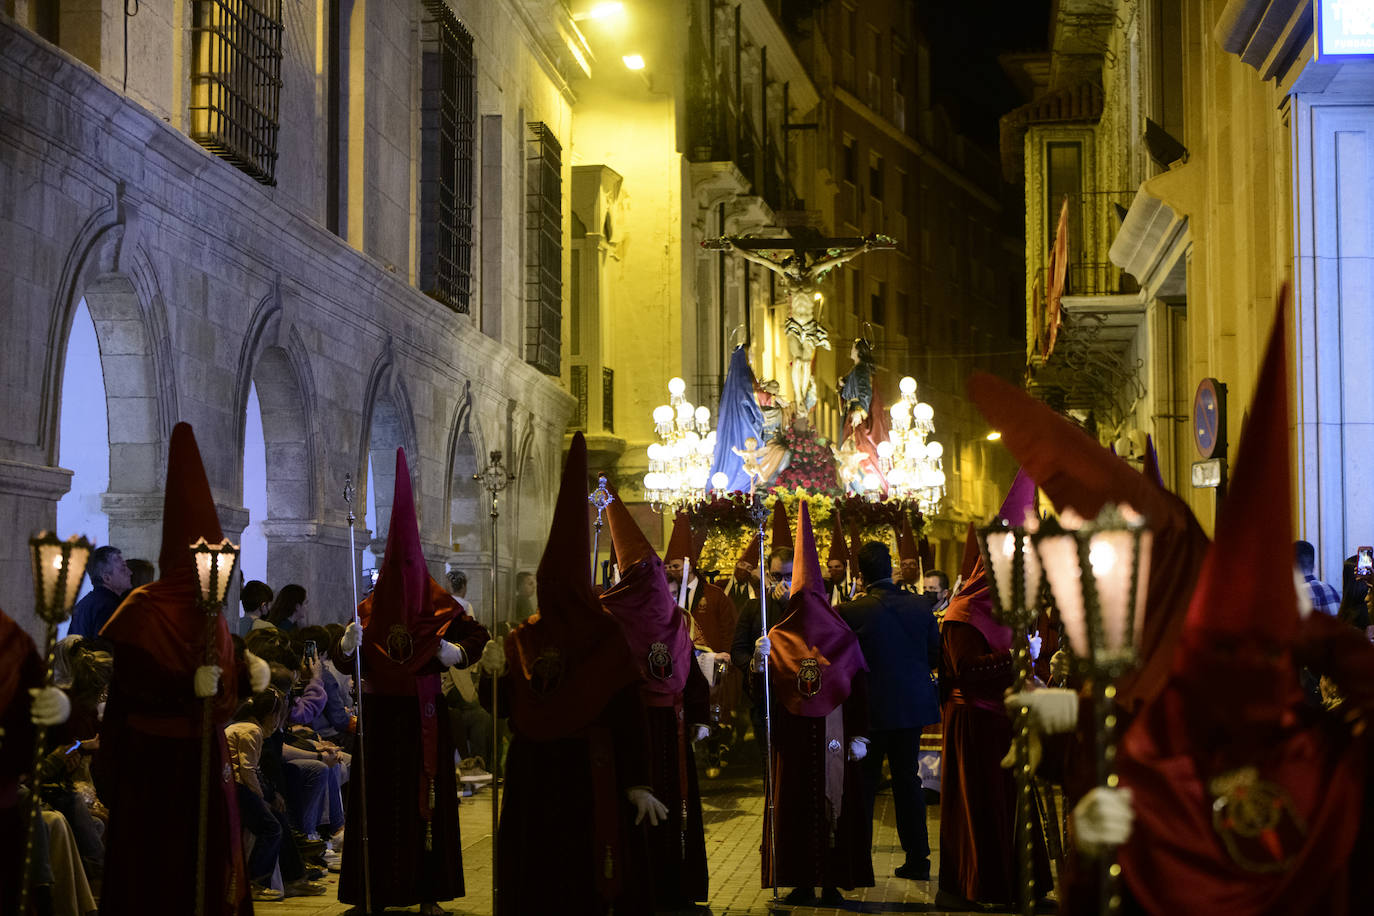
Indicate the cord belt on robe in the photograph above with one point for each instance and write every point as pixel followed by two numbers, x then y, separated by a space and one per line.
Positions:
pixel 426 690
pixel 679 721
pixel 605 811
pixel 834 767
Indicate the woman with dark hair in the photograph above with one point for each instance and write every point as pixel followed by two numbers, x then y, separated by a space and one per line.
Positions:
pixel 289 600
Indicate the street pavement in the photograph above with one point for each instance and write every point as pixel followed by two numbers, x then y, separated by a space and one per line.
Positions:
pixel 733 811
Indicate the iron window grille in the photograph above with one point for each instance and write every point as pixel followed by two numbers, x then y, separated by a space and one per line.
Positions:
pixel 236 82
pixel 448 109
pixel 608 399
pixel 543 249
pixel 578 384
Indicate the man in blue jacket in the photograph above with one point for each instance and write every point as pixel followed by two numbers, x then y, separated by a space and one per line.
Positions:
pixel 901 642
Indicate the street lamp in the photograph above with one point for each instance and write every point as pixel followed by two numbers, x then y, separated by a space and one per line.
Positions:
pixel 1014 582
pixel 57 570
pixel 1098 572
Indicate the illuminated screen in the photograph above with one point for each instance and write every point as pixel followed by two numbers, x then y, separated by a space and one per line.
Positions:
pixel 1345 28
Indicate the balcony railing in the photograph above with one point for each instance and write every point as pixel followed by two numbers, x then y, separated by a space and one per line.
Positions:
pixel 1094 220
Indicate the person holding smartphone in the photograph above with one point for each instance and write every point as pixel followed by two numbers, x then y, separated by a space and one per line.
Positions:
pixel 1324 598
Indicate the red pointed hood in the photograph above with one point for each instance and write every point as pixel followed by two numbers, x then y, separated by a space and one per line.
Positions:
pixel 571 657
pixel 781 535
pixel 646 607
pixel 970 557
pixel 815 654
pixel 1150 466
pixel 407 613
pixel 839 550
pixel 680 545
pixel 907 549
pixel 162 618
pixel 927 553
pixel 1245 599
pixel 973 604
pixel 750 557
pixel 1077 473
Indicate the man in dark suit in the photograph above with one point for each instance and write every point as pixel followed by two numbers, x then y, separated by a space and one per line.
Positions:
pixel 901 643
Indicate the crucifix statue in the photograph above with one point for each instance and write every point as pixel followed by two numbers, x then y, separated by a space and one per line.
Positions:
pixel 802 264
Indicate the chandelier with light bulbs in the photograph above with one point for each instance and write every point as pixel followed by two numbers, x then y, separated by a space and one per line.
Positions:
pixel 680 462
pixel 912 465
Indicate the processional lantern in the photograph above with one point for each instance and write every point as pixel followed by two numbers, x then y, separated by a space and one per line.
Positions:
pixel 58 566
pixel 214 567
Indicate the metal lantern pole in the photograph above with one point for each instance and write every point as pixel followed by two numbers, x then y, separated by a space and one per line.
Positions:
pixel 57 570
pixel 213 583
pixel 759 513
pixel 1009 606
pixel 361 769
pixel 495 478
pixel 601 500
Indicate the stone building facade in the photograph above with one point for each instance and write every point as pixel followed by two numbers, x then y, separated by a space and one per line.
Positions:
pixel 202 282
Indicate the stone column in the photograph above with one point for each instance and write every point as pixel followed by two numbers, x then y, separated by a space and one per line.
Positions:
pixel 315 555
pixel 135 523
pixel 28 498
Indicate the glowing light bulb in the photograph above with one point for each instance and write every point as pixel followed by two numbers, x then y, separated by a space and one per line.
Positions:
pixel 720 480
pixel 663 414
pixel 1102 558
pixel 703 415
pixel 907 385
pixel 676 386
pixel 934 450
pixel 885 448
pixel 924 412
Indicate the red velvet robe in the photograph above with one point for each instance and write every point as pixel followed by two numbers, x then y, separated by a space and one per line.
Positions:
pixel 567 840
pixel 20 670
pixel 404 872
pixel 978 797
pixel 808 855
pixel 678 848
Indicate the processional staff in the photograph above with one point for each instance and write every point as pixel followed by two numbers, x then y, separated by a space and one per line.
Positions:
pixel 758 512
pixel 361 771
pixel 495 478
pixel 601 499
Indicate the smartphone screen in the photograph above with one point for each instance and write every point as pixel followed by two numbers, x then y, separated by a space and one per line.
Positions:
pixel 1364 560
pixel 311 652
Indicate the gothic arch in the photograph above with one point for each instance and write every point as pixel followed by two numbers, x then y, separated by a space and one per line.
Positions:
pixel 463 496
pixel 388 422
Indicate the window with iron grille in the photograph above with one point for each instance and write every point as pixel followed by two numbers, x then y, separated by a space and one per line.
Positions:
pixel 236 82
pixel 448 105
pixel 608 399
pixel 543 249
pixel 578 383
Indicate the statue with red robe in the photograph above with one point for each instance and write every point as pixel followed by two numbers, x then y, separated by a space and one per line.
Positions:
pixel 412 631
pixel 572 832
pixel 817 821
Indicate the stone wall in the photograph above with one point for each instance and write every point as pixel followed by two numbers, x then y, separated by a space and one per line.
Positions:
pixel 199 281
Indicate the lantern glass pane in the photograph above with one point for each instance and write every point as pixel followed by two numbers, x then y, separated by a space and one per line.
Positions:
pixel 50 567
pixel 1059 560
pixel 1109 555
pixel 1031 573
pixel 1000 544
pixel 76 568
pixel 204 557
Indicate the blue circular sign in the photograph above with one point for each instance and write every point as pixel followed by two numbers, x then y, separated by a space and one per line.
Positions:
pixel 1209 431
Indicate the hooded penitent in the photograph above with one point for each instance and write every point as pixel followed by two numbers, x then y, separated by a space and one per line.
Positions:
pixel 160 637
pixel 926 552
pixel 1243 803
pixel 646 607
pixel 970 558
pixel 907 548
pixel 814 653
pixel 973 604
pixel 839 550
pixel 1077 473
pixel 781 535
pixel 162 618
pixel 749 558
pixel 681 544
pixel 571 657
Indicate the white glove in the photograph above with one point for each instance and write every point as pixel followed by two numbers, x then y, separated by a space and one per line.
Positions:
pixel 646 806
pixel 858 749
pixel 1102 820
pixel 207 680
pixel 1035 641
pixel 451 656
pixel 352 637
pixel 50 706
pixel 493 660
pixel 1053 710
pixel 763 647
pixel 699 732
pixel 259 672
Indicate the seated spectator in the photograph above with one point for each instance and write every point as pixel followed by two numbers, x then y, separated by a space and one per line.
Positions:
pixel 289 601
pixel 110 578
pixel 311 783
pixel 333 719
pixel 256 599
pixel 1354 608
pixel 262 810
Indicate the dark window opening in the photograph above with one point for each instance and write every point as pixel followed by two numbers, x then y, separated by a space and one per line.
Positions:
pixel 448 104
pixel 543 249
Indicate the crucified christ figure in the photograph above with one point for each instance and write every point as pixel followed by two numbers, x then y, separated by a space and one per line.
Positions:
pixel 802 265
